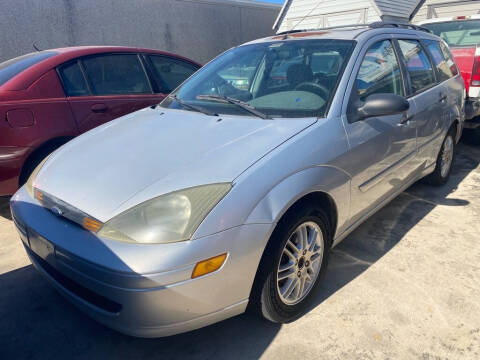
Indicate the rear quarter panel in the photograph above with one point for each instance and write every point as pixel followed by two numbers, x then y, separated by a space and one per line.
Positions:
pixel 52 115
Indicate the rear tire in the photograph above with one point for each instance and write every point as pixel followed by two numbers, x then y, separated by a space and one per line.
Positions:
pixel 444 163
pixel 293 265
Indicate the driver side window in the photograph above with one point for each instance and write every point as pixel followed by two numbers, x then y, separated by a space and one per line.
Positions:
pixel 379 72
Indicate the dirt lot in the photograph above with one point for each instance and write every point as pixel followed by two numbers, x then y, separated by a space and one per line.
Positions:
pixel 405 285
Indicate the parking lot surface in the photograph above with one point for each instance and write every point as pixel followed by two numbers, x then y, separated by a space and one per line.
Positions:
pixel 406 284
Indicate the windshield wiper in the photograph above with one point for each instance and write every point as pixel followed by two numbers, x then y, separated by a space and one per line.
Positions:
pixel 226 99
pixel 192 107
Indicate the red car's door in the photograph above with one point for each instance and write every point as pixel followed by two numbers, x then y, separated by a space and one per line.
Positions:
pixel 103 87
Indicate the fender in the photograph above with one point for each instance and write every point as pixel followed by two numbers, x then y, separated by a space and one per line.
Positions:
pixel 323 178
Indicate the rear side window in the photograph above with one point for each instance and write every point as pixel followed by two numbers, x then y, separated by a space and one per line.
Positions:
pixel 116 74
pixel 170 73
pixel 379 72
pixel 13 67
pixel 443 69
pixel 449 58
pixel 73 81
pixel 418 65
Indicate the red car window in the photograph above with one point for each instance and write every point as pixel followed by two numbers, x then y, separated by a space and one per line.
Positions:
pixel 170 73
pixel 73 80
pixel 116 74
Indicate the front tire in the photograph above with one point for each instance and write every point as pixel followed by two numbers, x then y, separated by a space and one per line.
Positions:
pixel 293 265
pixel 443 166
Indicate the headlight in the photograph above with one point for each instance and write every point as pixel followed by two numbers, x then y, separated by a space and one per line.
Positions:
pixel 33 175
pixel 168 218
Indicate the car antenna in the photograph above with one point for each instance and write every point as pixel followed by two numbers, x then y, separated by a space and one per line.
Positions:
pixel 35 47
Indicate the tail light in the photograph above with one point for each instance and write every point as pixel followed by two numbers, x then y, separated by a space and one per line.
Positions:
pixel 475 80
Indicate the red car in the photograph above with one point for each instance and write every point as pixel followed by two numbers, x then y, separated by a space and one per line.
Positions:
pixel 49 97
pixel 462 34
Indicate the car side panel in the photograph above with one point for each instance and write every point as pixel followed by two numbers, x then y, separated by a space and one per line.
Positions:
pixel 454 88
pixel 382 149
pixel 52 118
pixel 88 117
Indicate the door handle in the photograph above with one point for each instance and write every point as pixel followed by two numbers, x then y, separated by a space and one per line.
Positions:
pixel 443 97
pixel 99 108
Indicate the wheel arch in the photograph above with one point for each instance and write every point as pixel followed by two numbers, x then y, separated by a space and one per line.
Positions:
pixel 324 185
pixel 458 129
pixel 39 152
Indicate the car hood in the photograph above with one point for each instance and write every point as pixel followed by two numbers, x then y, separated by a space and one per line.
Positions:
pixel 156 151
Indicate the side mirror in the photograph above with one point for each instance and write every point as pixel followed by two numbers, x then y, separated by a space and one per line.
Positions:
pixel 382 105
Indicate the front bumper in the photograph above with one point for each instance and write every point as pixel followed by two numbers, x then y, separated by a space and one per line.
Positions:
pixel 162 300
pixel 11 162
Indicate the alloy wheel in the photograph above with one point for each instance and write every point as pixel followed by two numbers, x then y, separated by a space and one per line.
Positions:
pixel 300 263
pixel 447 156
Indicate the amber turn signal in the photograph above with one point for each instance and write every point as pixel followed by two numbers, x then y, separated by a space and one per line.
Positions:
pixel 91 224
pixel 209 265
pixel 38 195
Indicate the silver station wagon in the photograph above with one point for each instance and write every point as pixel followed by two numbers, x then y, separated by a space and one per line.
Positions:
pixel 233 190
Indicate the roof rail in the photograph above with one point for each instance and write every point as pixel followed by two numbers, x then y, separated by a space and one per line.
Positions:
pixel 325 28
pixel 381 24
pixel 374 25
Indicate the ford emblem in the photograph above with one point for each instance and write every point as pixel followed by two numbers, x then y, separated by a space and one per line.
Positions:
pixel 57 211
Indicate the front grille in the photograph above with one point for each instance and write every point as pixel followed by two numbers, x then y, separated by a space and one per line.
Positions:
pixel 77 289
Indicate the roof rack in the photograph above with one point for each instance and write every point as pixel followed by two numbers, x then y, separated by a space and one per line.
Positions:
pixel 374 25
pixel 381 24
pixel 321 29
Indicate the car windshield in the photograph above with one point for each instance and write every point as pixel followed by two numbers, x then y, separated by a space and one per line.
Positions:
pixel 13 67
pixel 285 79
pixel 457 33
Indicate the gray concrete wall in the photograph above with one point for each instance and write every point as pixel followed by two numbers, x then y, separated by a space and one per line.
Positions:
pixel 198 29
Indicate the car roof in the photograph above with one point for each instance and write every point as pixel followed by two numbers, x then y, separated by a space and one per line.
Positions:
pixel 62 55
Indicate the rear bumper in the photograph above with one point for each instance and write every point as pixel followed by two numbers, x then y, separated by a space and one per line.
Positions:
pixel 11 162
pixel 472 110
pixel 160 301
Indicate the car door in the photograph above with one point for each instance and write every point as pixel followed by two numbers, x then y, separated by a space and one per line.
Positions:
pixel 429 97
pixel 382 149
pixel 103 87
pixel 168 72
pixel 445 69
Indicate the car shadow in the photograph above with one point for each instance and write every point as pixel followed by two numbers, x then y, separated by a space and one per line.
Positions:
pixel 384 230
pixel 5 207
pixel 36 322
